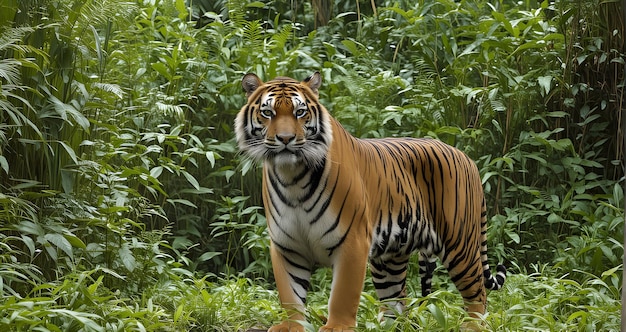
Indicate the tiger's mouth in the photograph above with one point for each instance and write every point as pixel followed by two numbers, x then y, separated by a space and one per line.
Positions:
pixel 285 156
pixel 285 150
pixel 308 152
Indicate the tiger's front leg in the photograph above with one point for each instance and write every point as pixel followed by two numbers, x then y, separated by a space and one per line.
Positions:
pixel 292 283
pixel 348 278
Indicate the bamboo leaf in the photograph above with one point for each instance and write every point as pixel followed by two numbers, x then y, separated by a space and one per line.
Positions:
pixel 611 271
pixel 207 256
pixel 175 201
pixel 64 110
pixel 61 243
pixel 29 243
pixel 210 156
pixel 4 163
pixel 155 172
pixel 69 151
pixel 191 179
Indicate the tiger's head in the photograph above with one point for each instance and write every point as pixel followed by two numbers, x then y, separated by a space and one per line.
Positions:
pixel 283 122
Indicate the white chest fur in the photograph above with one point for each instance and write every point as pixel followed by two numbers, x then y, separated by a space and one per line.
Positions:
pixel 308 238
pixel 301 219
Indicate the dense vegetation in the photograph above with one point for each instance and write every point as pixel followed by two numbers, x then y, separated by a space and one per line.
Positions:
pixel 125 206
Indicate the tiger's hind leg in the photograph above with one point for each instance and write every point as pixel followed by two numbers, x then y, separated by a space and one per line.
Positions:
pixel 427 264
pixel 389 278
pixel 469 280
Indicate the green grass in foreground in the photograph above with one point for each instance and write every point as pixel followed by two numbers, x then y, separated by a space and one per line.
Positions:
pixel 539 301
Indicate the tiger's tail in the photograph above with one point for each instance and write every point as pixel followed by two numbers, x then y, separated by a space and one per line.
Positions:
pixel 491 282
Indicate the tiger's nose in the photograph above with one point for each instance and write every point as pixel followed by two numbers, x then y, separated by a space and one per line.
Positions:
pixel 285 138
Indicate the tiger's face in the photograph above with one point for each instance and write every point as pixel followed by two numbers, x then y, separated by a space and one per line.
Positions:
pixel 283 122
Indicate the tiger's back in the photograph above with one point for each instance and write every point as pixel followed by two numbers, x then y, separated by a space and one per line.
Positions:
pixel 336 200
pixel 417 189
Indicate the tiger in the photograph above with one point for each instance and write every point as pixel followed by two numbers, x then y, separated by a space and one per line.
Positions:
pixel 334 200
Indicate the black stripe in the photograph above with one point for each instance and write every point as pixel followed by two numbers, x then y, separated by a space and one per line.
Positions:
pixel 338 219
pixel 304 283
pixel 296 265
pixel 343 238
pixel 316 176
pixel 276 186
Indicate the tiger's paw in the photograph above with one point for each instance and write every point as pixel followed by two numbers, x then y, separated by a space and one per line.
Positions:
pixel 336 328
pixel 286 327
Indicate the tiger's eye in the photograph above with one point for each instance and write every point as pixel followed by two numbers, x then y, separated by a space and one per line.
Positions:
pixel 267 113
pixel 300 113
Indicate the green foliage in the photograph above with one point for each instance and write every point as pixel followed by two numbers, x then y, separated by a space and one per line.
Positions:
pixel 120 182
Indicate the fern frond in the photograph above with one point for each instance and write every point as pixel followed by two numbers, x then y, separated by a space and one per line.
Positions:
pixel 10 71
pixel 237 12
pixel 100 13
pixel 169 109
pixel 280 38
pixel 11 39
pixel 253 35
pixel 110 88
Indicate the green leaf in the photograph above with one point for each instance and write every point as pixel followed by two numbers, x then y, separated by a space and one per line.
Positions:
pixel 438 314
pixel 178 313
pixel 554 218
pixel 611 271
pixel 162 69
pixel 156 171
pixel 93 287
pixel 74 240
pixel 210 156
pixel 581 314
pixel 67 181
pixel 182 9
pixel 127 258
pixel 30 227
pixel 506 22
pixel 525 46
pixel 208 256
pixel 64 109
pixel 61 243
pixel 4 164
pixel 256 4
pixel 30 244
pixel 113 209
pixel 545 82
pixel 86 319
pixel 191 179
pixel 512 235
pixel 98 47
pixel 557 114
pixel 351 46
pixel 69 151
pixel 25 184
pixel 181 201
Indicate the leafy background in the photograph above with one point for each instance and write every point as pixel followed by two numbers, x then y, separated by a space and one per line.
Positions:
pixel 125 206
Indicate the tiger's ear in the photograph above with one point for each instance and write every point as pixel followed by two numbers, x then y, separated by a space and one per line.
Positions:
pixel 314 82
pixel 250 82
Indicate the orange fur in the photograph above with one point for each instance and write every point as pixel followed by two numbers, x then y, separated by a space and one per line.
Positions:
pixel 335 200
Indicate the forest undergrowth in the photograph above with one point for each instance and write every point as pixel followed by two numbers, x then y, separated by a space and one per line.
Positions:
pixel 124 205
